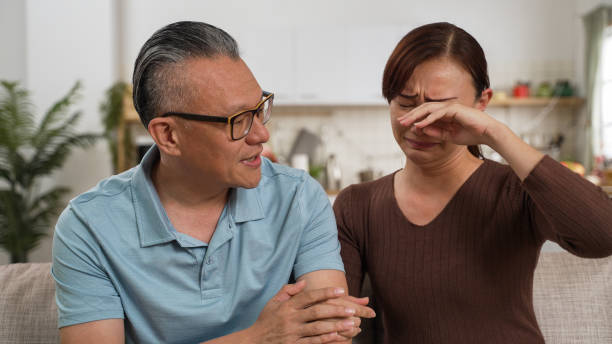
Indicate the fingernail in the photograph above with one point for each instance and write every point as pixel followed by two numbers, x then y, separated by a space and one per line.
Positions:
pixel 339 291
pixel 348 323
pixel 349 310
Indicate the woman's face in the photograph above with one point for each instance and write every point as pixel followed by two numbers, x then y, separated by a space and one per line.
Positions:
pixel 435 80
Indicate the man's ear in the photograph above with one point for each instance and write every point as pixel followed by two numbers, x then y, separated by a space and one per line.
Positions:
pixel 163 130
pixel 483 100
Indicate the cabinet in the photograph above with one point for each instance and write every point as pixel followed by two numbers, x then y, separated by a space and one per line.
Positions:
pixel 321 65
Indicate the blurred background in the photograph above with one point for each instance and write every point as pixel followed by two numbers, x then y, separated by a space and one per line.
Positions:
pixel 324 61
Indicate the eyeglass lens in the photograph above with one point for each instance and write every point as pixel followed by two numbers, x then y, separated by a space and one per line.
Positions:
pixel 243 122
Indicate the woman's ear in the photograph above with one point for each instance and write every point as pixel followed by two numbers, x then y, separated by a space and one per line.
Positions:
pixel 484 99
pixel 164 133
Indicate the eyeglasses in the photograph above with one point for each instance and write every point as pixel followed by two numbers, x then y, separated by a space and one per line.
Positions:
pixel 240 123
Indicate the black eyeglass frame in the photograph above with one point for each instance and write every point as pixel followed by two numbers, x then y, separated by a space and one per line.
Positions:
pixel 228 120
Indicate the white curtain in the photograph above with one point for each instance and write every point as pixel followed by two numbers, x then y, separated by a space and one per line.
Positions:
pixel 596 25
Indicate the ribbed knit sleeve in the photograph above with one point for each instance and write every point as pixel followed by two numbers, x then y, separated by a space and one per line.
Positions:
pixel 569 210
pixel 350 240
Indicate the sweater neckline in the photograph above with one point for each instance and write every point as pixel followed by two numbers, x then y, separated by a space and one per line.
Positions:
pixel 398 210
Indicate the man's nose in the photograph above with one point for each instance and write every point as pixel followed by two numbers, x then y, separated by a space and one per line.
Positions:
pixel 258 133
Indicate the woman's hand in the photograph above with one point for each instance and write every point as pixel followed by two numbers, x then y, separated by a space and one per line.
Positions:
pixel 464 125
pixel 452 122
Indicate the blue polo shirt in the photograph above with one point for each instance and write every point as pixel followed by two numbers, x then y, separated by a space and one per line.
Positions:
pixel 116 255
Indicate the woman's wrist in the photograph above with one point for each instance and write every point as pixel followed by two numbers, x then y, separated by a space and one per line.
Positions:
pixel 521 157
pixel 498 136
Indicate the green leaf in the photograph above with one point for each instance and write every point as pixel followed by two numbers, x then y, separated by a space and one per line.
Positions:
pixel 30 151
pixel 57 112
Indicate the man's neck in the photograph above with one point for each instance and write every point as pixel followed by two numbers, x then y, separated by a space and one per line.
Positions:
pixel 174 186
pixel 192 207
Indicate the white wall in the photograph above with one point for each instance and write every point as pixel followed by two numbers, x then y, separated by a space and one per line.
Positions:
pixel 12 53
pixel 12 37
pixel 65 41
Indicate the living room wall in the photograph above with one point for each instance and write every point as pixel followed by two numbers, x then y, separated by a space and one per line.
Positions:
pixel 50 44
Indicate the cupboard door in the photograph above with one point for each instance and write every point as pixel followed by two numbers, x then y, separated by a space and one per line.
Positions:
pixel 270 54
pixel 321 65
pixel 368 49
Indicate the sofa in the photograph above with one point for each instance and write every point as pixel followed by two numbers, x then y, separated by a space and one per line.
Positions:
pixel 572 301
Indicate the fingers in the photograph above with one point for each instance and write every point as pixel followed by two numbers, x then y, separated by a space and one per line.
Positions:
pixel 320 339
pixel 358 304
pixel 307 298
pixel 434 116
pixel 289 290
pixel 320 327
pixel 419 112
pixel 349 334
pixel 293 289
pixel 358 300
pixel 326 311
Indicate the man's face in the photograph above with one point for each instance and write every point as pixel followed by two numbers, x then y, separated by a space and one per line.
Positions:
pixel 220 86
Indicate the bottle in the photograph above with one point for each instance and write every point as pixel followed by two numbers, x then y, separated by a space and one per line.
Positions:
pixel 333 174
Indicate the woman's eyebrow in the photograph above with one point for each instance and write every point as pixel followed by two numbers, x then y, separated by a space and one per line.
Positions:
pixel 427 99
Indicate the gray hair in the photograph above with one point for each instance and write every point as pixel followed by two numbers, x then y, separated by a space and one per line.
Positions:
pixel 156 84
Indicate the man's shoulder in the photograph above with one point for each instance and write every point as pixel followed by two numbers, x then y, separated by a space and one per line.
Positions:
pixel 270 169
pixel 106 189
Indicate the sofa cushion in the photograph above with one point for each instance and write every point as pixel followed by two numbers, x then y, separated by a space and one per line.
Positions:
pixel 28 313
pixel 572 298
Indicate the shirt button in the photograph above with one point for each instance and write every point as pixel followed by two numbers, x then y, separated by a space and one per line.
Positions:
pixel 209 261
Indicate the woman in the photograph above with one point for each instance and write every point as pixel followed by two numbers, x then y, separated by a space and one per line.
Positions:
pixel 451 241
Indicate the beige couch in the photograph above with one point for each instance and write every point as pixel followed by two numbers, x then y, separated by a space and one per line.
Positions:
pixel 572 300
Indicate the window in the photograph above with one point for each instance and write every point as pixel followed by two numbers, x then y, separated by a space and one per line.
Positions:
pixel 606 94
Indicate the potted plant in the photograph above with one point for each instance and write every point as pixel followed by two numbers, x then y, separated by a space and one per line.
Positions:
pixel 30 150
pixel 117 134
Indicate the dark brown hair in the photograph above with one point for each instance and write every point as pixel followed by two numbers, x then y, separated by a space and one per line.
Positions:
pixel 432 41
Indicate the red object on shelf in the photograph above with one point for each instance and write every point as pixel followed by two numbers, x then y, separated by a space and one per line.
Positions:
pixel 521 90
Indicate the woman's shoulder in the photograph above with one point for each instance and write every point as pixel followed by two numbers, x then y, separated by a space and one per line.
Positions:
pixel 366 192
pixel 494 174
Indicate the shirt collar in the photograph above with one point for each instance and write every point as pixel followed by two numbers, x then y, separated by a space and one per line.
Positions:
pixel 154 226
pixel 245 205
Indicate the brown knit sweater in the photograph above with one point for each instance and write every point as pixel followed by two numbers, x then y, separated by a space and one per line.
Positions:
pixel 467 276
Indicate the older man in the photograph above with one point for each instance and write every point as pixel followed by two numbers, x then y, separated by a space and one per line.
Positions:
pixel 199 241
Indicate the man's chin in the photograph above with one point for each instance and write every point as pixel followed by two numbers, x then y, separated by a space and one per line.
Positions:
pixel 250 183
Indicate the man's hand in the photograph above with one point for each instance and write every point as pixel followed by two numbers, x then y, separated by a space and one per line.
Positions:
pixel 361 311
pixel 304 317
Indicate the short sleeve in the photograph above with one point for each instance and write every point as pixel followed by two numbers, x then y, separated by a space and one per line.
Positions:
pixel 83 289
pixel 319 248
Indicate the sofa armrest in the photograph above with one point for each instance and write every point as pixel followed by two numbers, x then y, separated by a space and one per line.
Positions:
pixel 28 313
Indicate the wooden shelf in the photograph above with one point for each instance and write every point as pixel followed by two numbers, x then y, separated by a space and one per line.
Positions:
pixel 129 112
pixel 534 101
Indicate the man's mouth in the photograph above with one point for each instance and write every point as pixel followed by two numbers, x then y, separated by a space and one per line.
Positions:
pixel 253 161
